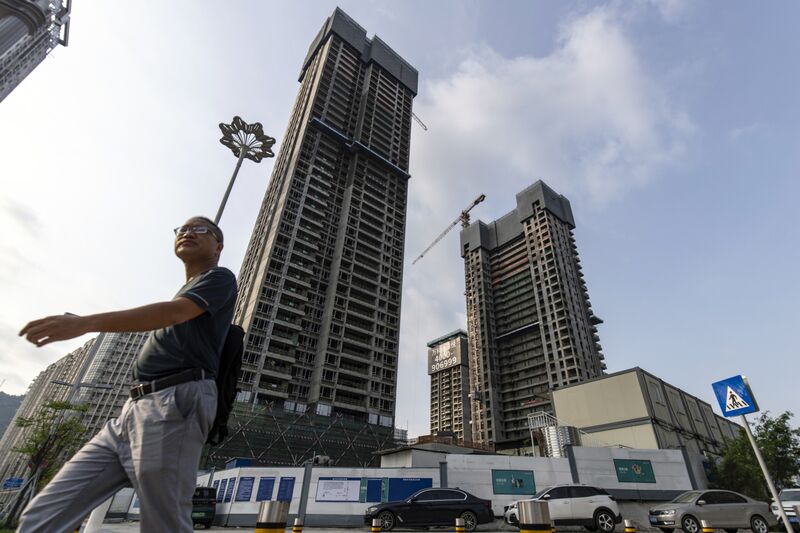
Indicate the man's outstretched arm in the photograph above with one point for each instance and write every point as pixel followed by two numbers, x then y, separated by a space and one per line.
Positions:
pixel 145 318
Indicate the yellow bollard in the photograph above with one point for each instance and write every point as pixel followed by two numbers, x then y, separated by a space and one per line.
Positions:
pixel 460 527
pixel 298 526
pixel 376 525
pixel 629 526
pixel 705 526
pixel 553 529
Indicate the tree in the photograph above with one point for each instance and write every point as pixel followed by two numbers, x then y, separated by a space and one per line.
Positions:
pixel 53 436
pixel 737 469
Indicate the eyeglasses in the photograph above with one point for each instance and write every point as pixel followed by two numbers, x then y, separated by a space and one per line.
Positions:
pixel 198 230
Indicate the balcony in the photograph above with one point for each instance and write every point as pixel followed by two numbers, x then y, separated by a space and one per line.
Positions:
pixel 281 393
pixel 295 278
pixel 309 231
pixel 286 338
pixel 300 267
pixel 280 356
pixel 276 373
pixel 308 241
pixel 355 352
pixel 288 324
pixel 356 337
pixel 344 400
pixel 353 370
pixel 295 291
pixel 351 386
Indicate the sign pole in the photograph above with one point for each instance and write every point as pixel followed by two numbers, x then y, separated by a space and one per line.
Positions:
pixel 770 484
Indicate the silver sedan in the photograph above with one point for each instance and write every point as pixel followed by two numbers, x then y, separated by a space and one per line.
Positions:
pixel 723 509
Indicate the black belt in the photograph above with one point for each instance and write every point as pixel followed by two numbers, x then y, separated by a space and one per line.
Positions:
pixel 192 374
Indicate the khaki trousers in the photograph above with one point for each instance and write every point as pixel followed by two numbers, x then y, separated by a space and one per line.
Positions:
pixel 154 446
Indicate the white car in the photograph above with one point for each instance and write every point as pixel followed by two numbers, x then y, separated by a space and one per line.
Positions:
pixel 789 498
pixel 575 505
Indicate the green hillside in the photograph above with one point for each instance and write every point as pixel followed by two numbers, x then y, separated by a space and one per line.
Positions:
pixel 8 407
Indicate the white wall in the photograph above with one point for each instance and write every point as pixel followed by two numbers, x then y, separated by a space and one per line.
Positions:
pixel 229 509
pixel 251 507
pixel 596 467
pixel 427 459
pixel 358 508
pixel 473 473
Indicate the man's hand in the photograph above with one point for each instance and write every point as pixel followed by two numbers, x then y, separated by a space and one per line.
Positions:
pixel 145 318
pixel 54 328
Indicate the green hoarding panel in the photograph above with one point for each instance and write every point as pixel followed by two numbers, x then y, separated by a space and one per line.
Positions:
pixel 513 482
pixel 634 471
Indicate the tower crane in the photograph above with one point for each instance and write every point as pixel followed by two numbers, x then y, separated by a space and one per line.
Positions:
pixel 419 121
pixel 463 218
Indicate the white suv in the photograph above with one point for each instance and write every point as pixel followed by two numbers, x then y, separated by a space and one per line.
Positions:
pixel 788 498
pixel 575 505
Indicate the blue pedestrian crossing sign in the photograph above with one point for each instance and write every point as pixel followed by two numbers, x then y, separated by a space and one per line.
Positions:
pixel 734 396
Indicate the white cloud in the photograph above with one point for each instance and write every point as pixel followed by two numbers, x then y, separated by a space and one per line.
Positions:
pixel 670 10
pixel 22 361
pixel 586 118
pixel 740 132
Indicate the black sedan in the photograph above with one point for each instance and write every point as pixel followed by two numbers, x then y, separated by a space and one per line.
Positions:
pixel 432 507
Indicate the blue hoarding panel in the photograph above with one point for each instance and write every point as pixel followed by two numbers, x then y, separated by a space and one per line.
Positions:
pixel 229 492
pixel 402 488
pixel 265 487
pixel 245 489
pixel 285 489
pixel 374 490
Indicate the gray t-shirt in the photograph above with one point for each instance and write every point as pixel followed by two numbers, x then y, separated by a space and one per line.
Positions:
pixel 196 343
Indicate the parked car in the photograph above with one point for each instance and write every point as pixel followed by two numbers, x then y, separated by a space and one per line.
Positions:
pixel 204 506
pixel 723 509
pixel 788 498
pixel 432 507
pixel 575 505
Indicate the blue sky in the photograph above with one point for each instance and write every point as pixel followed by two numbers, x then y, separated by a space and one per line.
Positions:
pixel 671 126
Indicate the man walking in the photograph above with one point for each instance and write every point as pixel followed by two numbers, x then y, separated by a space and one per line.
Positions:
pixel 155 443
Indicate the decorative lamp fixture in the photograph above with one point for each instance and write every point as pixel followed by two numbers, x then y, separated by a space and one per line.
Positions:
pixel 245 141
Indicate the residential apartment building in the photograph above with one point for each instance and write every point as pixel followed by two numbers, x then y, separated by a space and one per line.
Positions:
pixel 321 280
pixel 448 367
pixel 29 30
pixel 54 384
pixel 531 326
pixel 109 377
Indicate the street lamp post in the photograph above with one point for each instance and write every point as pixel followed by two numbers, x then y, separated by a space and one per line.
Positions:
pixel 245 141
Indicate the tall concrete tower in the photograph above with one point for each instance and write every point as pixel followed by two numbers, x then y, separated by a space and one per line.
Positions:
pixel 531 326
pixel 321 280
pixel 29 30
pixel 448 367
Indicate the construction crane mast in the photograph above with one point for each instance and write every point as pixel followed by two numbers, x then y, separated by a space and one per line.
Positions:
pixel 421 124
pixel 463 218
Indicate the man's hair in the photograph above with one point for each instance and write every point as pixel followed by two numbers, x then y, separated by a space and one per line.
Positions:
pixel 214 228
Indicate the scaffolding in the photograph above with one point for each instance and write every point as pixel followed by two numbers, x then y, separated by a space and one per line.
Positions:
pixel 273 436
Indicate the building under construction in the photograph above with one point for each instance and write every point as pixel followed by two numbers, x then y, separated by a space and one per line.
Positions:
pixel 448 367
pixel 321 281
pixel 29 30
pixel 531 326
